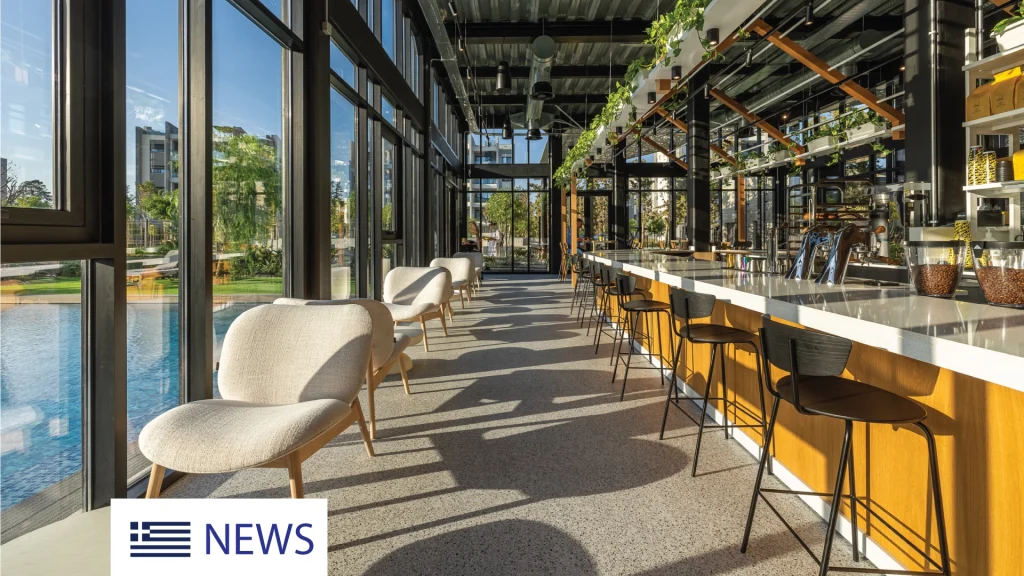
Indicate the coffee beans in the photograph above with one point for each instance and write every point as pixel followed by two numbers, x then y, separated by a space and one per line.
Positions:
pixel 1002 286
pixel 936 279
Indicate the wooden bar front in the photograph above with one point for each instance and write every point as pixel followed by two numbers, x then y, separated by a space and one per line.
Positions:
pixel 975 425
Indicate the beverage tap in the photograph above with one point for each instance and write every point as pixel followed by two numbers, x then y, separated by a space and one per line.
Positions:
pixel 843 243
pixel 803 264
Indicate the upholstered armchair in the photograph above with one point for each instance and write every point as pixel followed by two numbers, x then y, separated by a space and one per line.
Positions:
pixel 478 266
pixel 462 276
pixel 389 343
pixel 418 295
pixel 289 378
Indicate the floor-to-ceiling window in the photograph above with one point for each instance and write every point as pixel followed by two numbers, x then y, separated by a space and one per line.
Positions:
pixel 344 200
pixel 248 130
pixel 153 198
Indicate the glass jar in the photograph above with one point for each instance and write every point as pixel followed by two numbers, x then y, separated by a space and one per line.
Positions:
pixel 1000 270
pixel 935 266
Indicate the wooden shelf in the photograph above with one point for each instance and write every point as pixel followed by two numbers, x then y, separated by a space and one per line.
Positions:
pixel 988 67
pixel 1005 123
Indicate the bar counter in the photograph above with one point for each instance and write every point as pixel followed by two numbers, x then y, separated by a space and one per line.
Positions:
pixel 963 362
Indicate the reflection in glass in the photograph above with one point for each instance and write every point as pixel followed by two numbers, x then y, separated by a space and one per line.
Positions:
pixel 341 64
pixel 344 204
pixel 41 394
pixel 248 234
pixel 387 204
pixel 27 79
pixel 152 218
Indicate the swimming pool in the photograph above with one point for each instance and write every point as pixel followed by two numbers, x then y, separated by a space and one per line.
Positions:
pixel 41 386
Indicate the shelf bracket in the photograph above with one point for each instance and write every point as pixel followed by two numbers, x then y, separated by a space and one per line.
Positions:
pixel 757 121
pixel 662 149
pixel 682 126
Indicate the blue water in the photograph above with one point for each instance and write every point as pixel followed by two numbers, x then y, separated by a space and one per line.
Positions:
pixel 41 386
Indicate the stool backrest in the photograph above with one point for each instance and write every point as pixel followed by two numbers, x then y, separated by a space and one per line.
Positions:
pixel 801 352
pixel 689 305
pixel 625 285
pixel 607 275
pixel 597 272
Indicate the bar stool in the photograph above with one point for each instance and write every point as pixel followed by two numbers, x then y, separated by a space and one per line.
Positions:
pixel 588 271
pixel 563 267
pixel 686 306
pixel 814 387
pixel 648 309
pixel 581 268
pixel 600 279
pixel 604 312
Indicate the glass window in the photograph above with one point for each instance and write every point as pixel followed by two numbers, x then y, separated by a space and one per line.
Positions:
pixel 248 230
pixel 41 396
pixel 344 200
pixel 27 79
pixel 538 149
pixel 387 210
pixel 369 14
pixel 387 26
pixel 520 148
pixel 342 64
pixel 151 136
pixel 387 110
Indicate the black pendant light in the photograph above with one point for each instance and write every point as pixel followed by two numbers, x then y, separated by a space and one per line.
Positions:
pixel 451 8
pixel 750 57
pixel 652 97
pixel 677 72
pixel 506 128
pixel 503 81
pixel 533 134
pixel 809 13
pixel 598 151
pixel 712 37
pixel 462 44
pixel 618 130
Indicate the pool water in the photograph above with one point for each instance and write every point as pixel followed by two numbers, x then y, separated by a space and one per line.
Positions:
pixel 41 386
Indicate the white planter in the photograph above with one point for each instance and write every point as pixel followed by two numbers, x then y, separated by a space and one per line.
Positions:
pixel 716 173
pixel 780 155
pixel 1011 38
pixel 863 131
pixel 821 144
pixel 639 79
pixel 728 171
pixel 755 163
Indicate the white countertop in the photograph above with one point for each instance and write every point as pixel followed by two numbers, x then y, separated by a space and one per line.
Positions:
pixel 978 340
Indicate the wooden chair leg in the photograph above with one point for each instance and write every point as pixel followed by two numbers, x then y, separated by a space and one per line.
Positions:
pixel 444 326
pixel 295 474
pixel 423 326
pixel 447 307
pixel 156 481
pixel 405 376
pixel 469 294
pixel 367 440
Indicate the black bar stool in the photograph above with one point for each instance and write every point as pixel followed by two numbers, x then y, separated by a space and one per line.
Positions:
pixel 582 271
pixel 648 309
pixel 688 305
pixel 604 313
pixel 598 280
pixel 815 362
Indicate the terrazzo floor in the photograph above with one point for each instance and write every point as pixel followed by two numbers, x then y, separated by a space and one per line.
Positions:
pixel 513 455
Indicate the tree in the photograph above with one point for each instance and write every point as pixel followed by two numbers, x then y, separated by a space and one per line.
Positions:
pixel 246 190
pixel 28 194
pixel 159 204
pixel 505 208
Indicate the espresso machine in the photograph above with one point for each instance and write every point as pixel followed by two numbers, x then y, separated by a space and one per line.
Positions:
pixel 879 223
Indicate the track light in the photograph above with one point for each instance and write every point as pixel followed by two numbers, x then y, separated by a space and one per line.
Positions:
pixel 618 130
pixel 462 44
pixel 712 37
pixel 598 151
pixel 903 68
pixel 809 13
pixel 677 72
pixel 506 128
pixel 591 157
pixel 652 97
pixel 750 57
pixel 451 8
pixel 503 82
pixel 705 91
pixel 785 115
pixel 469 73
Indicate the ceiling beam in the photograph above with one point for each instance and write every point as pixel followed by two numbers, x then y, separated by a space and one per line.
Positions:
pixel 822 68
pixel 682 126
pixel 756 120
pixel 557 72
pixel 566 31
pixel 520 99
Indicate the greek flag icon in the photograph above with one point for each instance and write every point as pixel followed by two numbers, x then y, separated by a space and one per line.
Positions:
pixel 160 539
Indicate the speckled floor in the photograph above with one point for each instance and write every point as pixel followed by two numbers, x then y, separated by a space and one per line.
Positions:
pixel 514 456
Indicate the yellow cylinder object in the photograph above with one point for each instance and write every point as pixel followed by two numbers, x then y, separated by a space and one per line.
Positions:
pixel 1018 165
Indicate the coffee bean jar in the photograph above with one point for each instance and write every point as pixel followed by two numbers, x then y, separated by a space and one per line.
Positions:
pixel 1000 270
pixel 935 266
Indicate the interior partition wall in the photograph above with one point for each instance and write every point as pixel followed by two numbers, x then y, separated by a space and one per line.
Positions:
pixel 169 164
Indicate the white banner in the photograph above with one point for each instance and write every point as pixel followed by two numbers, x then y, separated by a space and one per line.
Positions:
pixel 214 537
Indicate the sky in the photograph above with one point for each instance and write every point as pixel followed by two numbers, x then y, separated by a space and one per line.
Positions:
pixel 246 77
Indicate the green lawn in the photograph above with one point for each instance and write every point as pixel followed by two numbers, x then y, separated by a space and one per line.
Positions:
pixel 163 287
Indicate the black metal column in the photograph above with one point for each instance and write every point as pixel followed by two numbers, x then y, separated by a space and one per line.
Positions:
pixel 555 199
pixel 935 98
pixel 698 157
pixel 619 197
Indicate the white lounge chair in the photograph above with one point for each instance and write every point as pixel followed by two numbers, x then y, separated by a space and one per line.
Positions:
pixel 462 276
pixel 478 266
pixel 418 295
pixel 389 344
pixel 289 378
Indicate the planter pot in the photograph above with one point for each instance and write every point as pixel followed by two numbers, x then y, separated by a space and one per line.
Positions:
pixel 728 172
pixel 863 131
pixel 780 155
pixel 639 79
pixel 1011 38
pixel 755 163
pixel 716 173
pixel 822 144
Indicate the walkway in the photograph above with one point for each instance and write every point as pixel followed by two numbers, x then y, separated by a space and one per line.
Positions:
pixel 514 456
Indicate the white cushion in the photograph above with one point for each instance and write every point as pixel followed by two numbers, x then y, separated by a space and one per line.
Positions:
pixel 412 286
pixel 210 436
pixel 383 323
pixel 461 268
